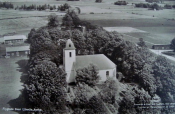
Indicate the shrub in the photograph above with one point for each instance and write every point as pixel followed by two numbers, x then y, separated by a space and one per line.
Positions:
pixel 173 6
pixel 146 5
pixel 155 6
pixel 98 1
pixel 91 12
pixel 168 6
pixel 120 3
pixel 64 7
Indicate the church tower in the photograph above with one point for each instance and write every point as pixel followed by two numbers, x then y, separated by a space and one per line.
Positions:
pixel 69 58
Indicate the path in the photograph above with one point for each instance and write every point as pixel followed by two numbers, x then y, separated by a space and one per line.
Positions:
pixel 159 52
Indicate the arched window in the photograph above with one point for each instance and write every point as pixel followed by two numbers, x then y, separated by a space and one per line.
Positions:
pixel 107 73
pixel 69 45
pixel 70 54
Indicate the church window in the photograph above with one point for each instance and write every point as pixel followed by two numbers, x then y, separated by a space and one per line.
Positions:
pixel 69 45
pixel 70 54
pixel 107 73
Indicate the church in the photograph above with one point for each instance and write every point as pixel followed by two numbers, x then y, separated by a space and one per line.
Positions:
pixel 71 63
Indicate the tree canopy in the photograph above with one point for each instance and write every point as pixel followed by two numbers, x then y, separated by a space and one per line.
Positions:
pixel 173 44
pixel 53 20
pixel 88 75
pixel 146 74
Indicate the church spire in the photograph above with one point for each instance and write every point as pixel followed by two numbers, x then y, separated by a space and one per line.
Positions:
pixel 69 45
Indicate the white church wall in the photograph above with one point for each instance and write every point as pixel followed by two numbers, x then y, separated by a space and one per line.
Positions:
pixel 103 75
pixel 68 61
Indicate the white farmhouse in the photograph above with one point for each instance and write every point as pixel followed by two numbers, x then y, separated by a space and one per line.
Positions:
pixel 71 63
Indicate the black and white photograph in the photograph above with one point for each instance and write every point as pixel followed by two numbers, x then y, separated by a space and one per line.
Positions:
pixel 87 56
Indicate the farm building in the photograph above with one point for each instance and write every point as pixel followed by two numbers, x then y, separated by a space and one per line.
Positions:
pixel 17 51
pixel 17 39
pixel 71 63
pixel 161 46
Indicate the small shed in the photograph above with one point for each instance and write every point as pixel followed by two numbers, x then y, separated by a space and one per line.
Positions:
pixel 161 47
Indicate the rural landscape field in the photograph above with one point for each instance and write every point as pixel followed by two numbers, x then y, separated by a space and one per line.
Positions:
pixel 154 26
pixel 158 24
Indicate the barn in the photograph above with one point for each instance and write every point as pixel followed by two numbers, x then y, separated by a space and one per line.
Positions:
pixel 17 51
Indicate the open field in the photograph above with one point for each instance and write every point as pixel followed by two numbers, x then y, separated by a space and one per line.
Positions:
pixel 158 31
pixel 12 14
pixel 10 82
pixel 21 22
pixel 160 24
pixel 123 29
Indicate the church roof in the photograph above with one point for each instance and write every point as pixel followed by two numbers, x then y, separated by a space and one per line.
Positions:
pixel 100 60
pixel 69 45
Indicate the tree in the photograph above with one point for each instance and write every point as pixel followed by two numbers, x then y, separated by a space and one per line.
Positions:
pixel 78 40
pixel 173 44
pixel 81 98
pixel 75 18
pixel 30 35
pixel 97 39
pixel 110 91
pixel 79 10
pixel 88 75
pixel 141 43
pixel 49 55
pixel 53 20
pixel 45 87
pixel 120 3
pixel 66 6
pixel 51 8
pixel 67 21
pixel 41 41
pixel 165 74
pixel 95 106
pixel 98 1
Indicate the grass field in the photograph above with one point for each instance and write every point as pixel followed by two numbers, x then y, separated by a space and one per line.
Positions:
pixel 23 20
pixel 10 81
pixel 158 31
pixel 106 14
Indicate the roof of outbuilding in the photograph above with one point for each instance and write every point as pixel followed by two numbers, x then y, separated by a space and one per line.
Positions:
pixel 100 60
pixel 15 37
pixel 69 45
